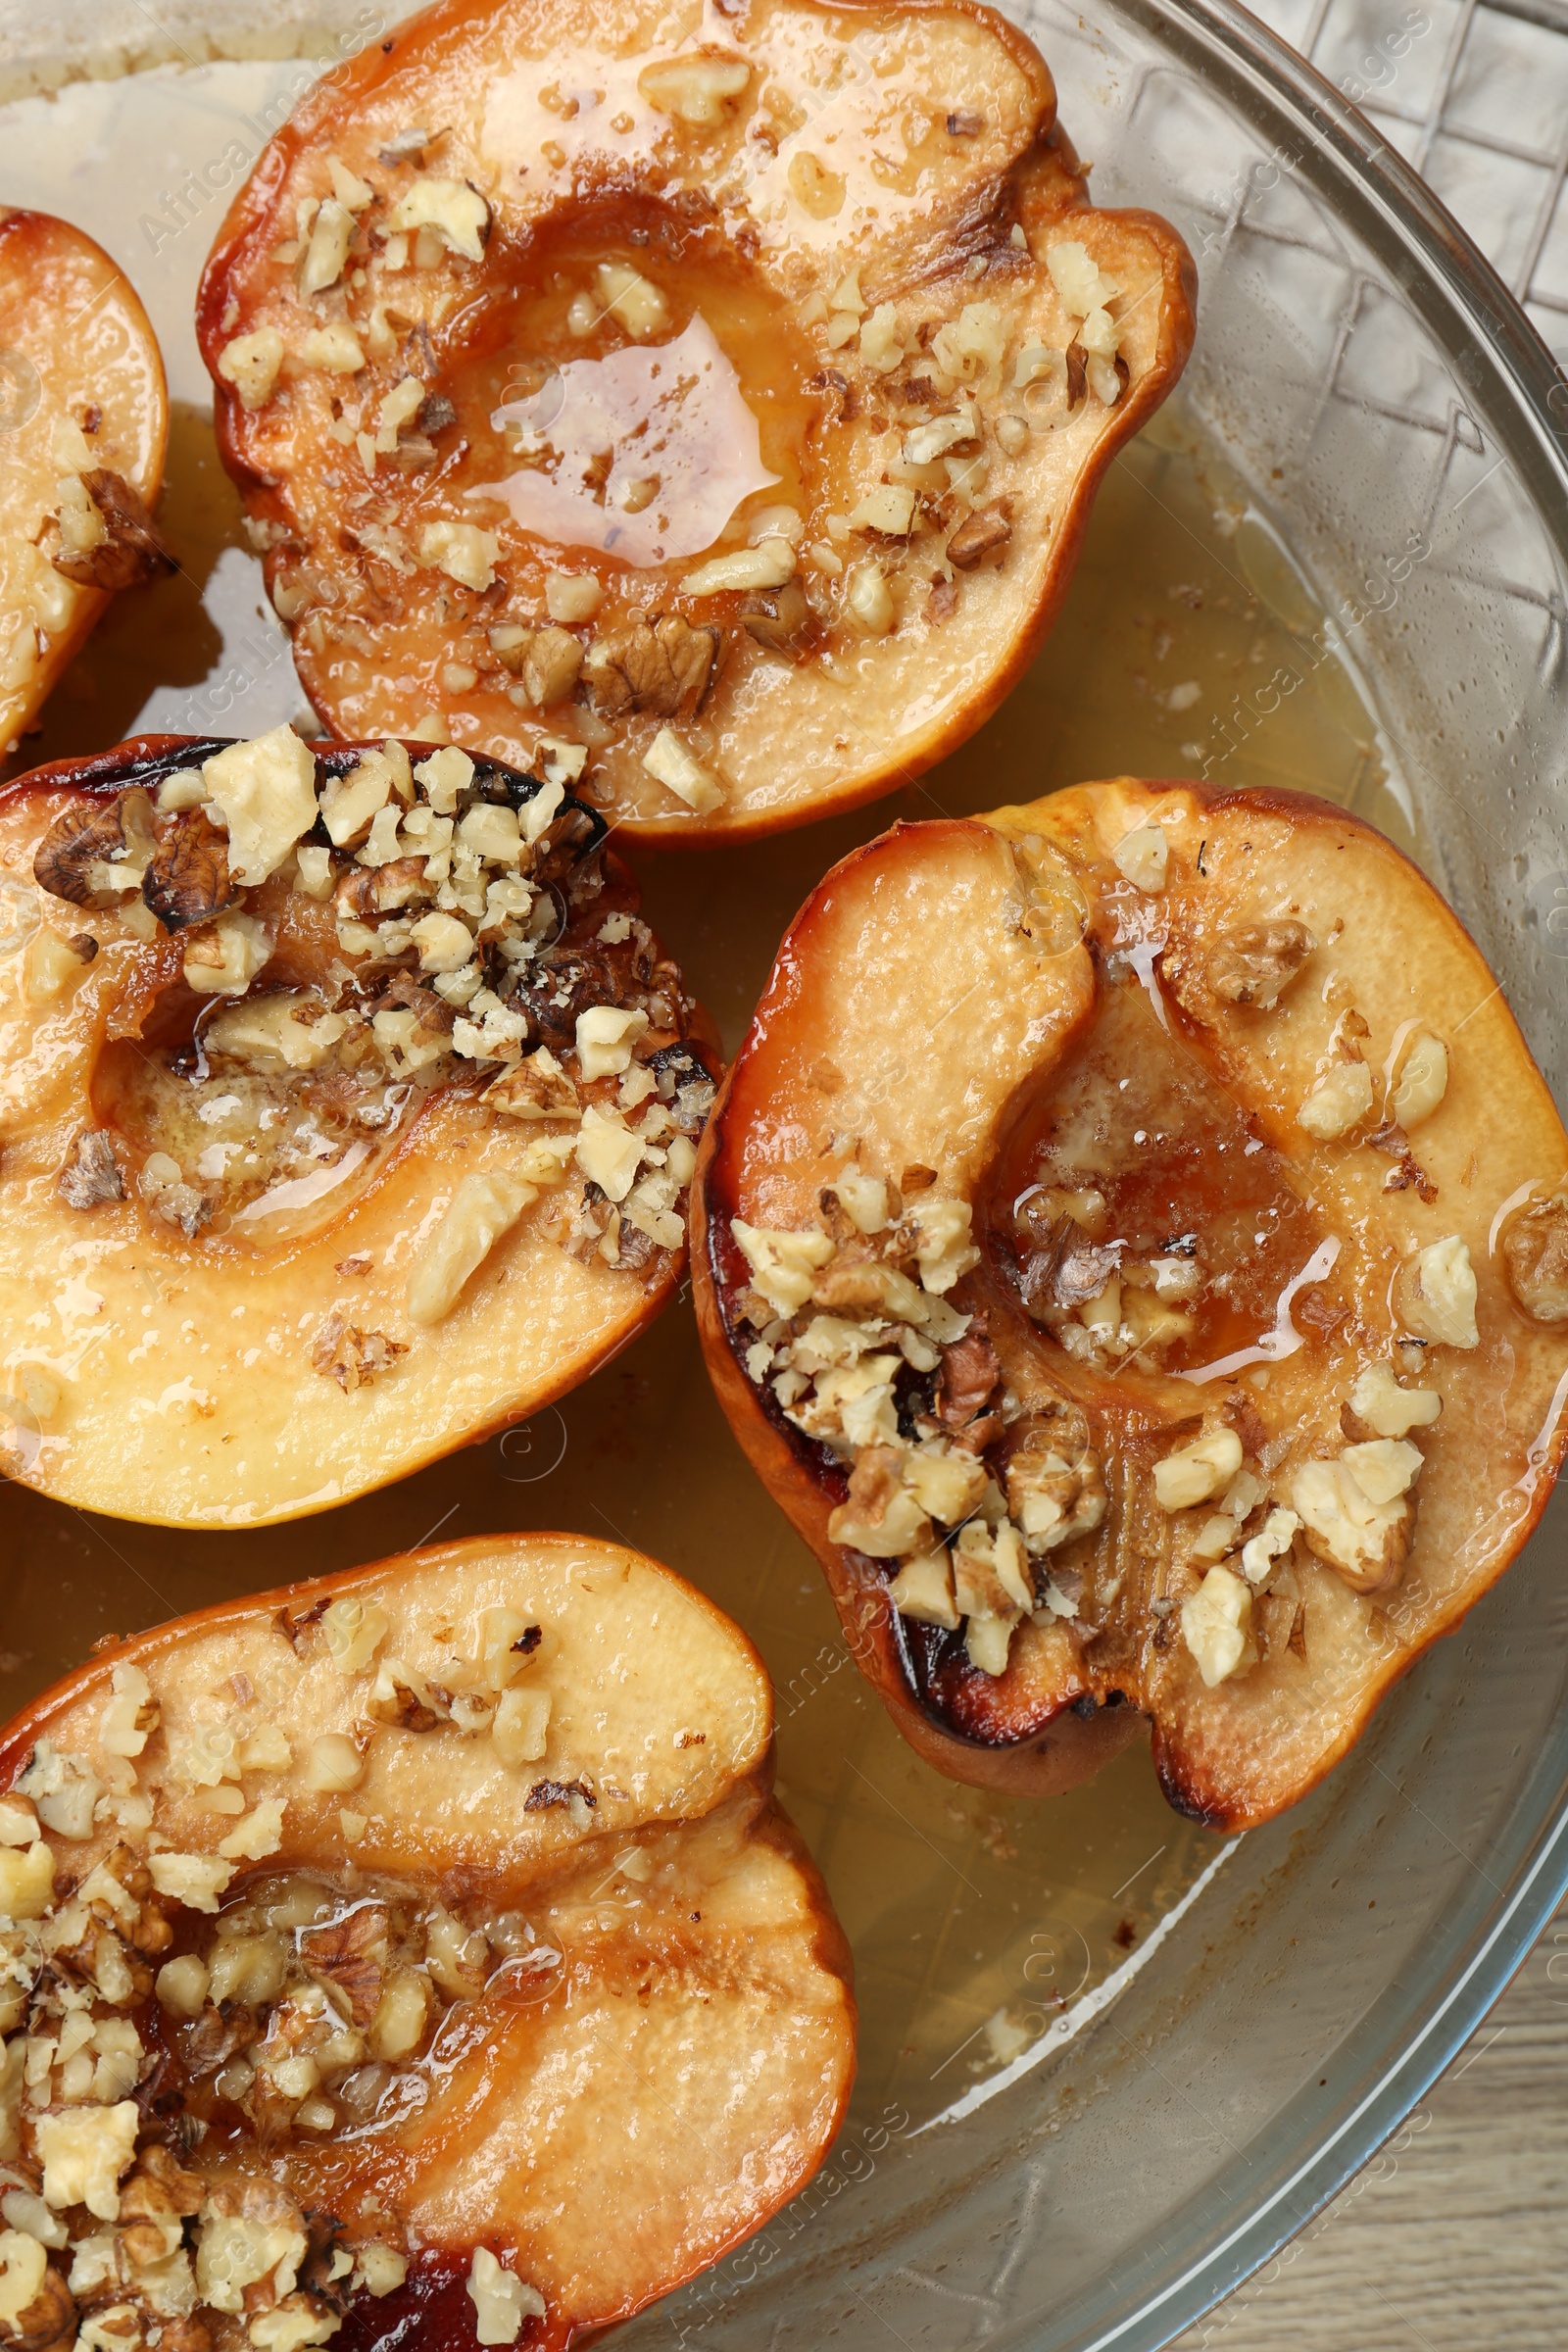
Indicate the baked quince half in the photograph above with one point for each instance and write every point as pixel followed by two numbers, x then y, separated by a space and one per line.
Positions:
pixel 349 1111
pixel 1132 1244
pixel 725 393
pixel 414 1952
pixel 85 418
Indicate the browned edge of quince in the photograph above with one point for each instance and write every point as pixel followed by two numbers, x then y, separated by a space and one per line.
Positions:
pixel 147 759
pixel 1052 185
pixel 1042 1743
pixel 434 2302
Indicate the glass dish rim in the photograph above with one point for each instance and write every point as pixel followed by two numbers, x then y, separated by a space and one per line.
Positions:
pixel 1525 395
pixel 1491 344
pixel 1391 207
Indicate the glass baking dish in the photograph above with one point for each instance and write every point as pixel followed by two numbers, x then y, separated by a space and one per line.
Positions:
pixel 1110 2062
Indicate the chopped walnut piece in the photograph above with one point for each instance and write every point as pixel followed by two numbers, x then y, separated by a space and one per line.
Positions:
pixel 780 620
pixel 969 1376
pixel 215 2038
pixel 456 1956
pixel 881 1517
pixel 46 2321
pixel 551 666
pixel 501 2301
pixel 1194 1473
pixel 509 641
pixel 874 1480
pixel 858 1202
pixel 923 1590
pixel 453 209
pixel 1392 1140
pixel 160 2187
pixel 1363 1539
pixel 351 1954
pixel 53 964
pixel 991 1583
pixel 341 1351
pixel 559 988
pixel 1216 1626
pixel 83 2152
pixel 1253 963
pixel 405 994
pixel 162 1185
pixel 1339 1102
pixel 1380 1407
pixel 1535 1256
pixel 96 1955
pixel 981 535
pixel 87 834
pixel 1435 1293
pixel 868 1288
pixel 535 1088
pixel 546 1794
pixel 403 1699
pixel 1143 858
pixel 93 1174
pixel 1271 1543
pixel 1421 1080
pixel 665 667
pixel 187 879
pixel 129 551
pixel 482 1210
pixel 222 958
pixel 186 2335
pixel 1055 1485
pixel 671 762
pixel 1069 1272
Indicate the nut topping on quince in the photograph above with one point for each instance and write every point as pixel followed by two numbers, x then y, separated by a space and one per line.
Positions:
pixel 793 475
pixel 329 2101
pixel 1535 1253
pixel 108 538
pixel 1253 963
pixel 355 1007
pixel 1149 1389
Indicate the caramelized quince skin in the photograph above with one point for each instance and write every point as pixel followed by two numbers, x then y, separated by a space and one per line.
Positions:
pixel 822 570
pixel 1151 982
pixel 621 1907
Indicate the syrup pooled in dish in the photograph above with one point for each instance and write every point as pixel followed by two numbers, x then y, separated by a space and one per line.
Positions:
pixel 350 1111
pixel 1131 1245
pixel 81 457
pixel 725 397
pixel 417 1949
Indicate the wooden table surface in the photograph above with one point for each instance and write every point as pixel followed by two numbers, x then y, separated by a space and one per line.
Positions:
pixel 1456 2237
